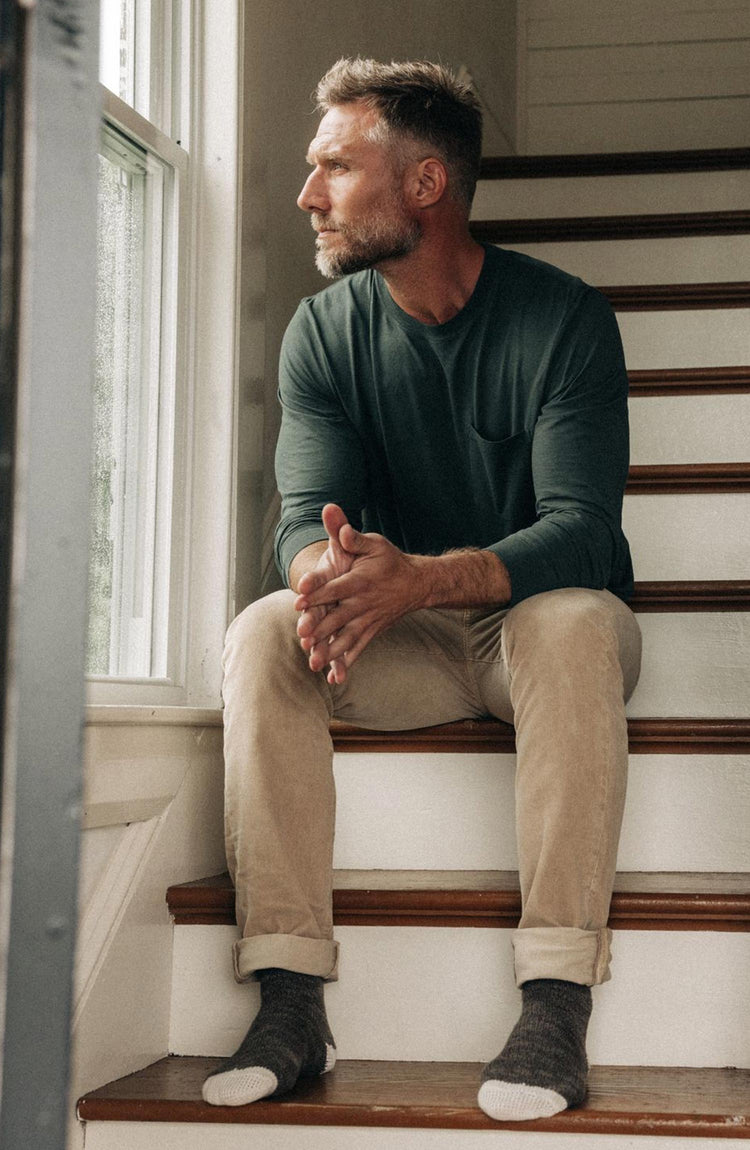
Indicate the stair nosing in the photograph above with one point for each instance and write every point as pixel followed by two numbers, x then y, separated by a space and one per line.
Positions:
pixel 667 735
pixel 587 164
pixel 211 902
pixel 688 478
pixel 644 225
pixel 685 381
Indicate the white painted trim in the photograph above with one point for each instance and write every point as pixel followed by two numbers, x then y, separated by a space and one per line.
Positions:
pixel 213 350
pixel 206 367
pixel 111 714
pixel 137 758
pixel 200 1136
pixel 105 911
pixel 135 125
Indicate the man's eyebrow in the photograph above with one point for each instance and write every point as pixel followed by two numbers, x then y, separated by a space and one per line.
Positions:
pixel 323 155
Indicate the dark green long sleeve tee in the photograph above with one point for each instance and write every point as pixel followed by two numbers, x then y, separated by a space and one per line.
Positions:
pixel 505 428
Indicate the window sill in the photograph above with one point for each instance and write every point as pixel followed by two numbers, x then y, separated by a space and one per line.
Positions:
pixel 111 714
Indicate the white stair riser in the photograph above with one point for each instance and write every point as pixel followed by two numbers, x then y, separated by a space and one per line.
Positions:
pixel 688 536
pixel 671 260
pixel 457 812
pixel 689 429
pixel 694 664
pixel 444 994
pixel 692 338
pixel 611 195
pixel 181 1136
pixel 712 652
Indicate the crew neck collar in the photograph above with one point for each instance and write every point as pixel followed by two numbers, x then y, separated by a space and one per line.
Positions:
pixel 438 330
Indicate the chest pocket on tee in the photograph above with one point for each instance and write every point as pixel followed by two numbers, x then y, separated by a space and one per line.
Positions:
pixel 501 470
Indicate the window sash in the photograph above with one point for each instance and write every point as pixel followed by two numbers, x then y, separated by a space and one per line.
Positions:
pixel 149 453
pixel 143 45
pixel 199 335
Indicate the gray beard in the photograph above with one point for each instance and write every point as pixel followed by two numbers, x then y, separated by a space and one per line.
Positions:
pixel 368 244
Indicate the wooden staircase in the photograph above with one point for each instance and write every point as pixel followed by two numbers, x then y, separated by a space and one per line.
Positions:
pixel 426 881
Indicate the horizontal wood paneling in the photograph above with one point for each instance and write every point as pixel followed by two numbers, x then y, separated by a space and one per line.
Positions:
pixel 661 124
pixel 629 1100
pixel 596 87
pixel 678 27
pixel 614 163
pixel 492 899
pixel 605 62
pixel 688 478
pixel 581 10
pixel 690 381
pixel 630 227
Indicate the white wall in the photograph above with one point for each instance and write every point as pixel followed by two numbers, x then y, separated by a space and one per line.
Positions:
pixel 600 75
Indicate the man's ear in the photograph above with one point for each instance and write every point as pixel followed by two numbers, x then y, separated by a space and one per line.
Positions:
pixel 429 182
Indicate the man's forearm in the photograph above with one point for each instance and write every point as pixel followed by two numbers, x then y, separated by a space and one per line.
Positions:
pixel 462 578
pixel 466 578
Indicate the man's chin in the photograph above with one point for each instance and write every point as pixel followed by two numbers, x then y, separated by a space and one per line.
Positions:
pixel 328 267
pixel 345 264
pixel 334 268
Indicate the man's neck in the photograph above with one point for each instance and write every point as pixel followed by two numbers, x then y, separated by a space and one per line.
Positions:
pixel 435 281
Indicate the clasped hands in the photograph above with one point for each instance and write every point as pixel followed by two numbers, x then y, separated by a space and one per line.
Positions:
pixel 360 585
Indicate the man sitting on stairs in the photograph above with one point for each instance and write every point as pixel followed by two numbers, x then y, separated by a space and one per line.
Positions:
pixel 452 459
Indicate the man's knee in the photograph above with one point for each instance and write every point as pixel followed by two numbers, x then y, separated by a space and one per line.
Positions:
pixel 564 610
pixel 572 623
pixel 267 627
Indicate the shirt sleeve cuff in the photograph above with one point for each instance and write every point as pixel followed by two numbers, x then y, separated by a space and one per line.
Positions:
pixel 294 541
pixel 528 574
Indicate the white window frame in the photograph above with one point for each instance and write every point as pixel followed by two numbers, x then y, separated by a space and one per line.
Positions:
pixel 204 108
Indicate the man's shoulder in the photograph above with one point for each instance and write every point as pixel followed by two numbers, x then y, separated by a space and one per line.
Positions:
pixel 325 325
pixel 351 292
pixel 525 269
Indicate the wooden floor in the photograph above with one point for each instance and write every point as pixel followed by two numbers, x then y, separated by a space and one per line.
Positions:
pixel 675 1101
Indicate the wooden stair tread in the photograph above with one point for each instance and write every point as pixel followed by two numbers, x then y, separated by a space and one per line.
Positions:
pixel 644 225
pixel 614 163
pixel 642 901
pixel 675 1101
pixel 645 736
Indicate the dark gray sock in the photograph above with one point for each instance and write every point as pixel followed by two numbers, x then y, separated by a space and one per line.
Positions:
pixel 543 1067
pixel 289 1039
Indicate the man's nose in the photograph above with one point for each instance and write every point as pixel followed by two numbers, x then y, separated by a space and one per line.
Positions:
pixel 313 197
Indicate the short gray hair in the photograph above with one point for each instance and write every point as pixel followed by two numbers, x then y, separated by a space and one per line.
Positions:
pixel 419 103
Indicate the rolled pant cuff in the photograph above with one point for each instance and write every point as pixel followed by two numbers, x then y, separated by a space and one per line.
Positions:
pixel 564 952
pixel 290 952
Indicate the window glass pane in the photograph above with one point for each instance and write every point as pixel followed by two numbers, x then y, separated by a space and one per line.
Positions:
pixel 117 48
pixel 124 502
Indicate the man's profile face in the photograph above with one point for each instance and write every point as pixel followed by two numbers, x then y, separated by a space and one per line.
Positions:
pixel 354 196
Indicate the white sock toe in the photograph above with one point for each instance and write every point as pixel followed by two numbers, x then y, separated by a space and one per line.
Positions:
pixel 239 1087
pixel 330 1058
pixel 518 1102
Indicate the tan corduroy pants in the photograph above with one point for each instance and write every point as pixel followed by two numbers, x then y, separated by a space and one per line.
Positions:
pixel 559 666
